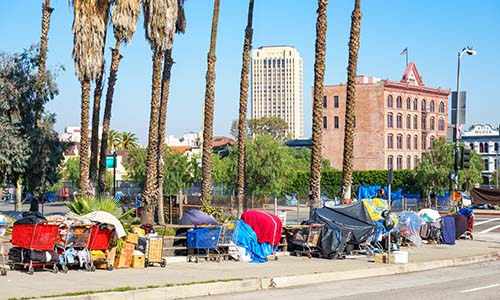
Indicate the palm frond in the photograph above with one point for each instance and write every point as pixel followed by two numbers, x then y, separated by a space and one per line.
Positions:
pixel 160 17
pixel 180 24
pixel 124 18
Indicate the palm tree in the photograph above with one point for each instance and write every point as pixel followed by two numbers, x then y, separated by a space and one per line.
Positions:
pixel 351 102
pixel 89 27
pixel 208 117
pixel 180 27
pixel 242 120
pixel 319 74
pixel 114 140
pixel 128 141
pixel 159 21
pixel 44 40
pixel 124 18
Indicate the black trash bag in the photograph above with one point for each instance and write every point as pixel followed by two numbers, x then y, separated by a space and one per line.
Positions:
pixel 388 223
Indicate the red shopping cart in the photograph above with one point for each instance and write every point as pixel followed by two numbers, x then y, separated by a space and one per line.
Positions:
pixel 100 238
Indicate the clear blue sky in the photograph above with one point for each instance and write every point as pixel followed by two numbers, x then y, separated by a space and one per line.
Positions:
pixel 433 31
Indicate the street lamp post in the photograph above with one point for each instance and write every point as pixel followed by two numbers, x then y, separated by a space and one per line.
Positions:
pixel 469 51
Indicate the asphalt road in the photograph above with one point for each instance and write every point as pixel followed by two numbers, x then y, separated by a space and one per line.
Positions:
pixel 471 282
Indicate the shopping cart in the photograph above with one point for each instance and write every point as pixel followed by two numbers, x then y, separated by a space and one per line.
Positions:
pixel 3 227
pixel 100 238
pixel 228 238
pixel 202 243
pixel 74 241
pixel 304 239
pixel 32 239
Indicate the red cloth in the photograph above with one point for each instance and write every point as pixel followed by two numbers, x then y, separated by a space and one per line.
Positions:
pixel 267 226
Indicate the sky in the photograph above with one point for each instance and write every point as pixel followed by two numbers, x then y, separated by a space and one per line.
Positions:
pixel 433 31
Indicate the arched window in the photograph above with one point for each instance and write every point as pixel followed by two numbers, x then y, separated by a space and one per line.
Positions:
pixel 432 124
pixel 389 101
pixel 415 161
pixel 408 162
pixel 399 121
pixel 389 120
pixel 399 102
pixel 408 103
pixel 399 141
pixel 441 107
pixel 415 104
pixel 423 123
pixel 390 141
pixel 481 148
pixel 431 106
pixel 415 122
pixel 486 164
pixel 424 142
pixel 389 161
pixel 471 146
pixel 441 124
pixel 408 122
pixel 496 147
pixel 432 141
pixel 486 148
pixel 408 142
pixel 415 142
pixel 399 162
pixel 424 105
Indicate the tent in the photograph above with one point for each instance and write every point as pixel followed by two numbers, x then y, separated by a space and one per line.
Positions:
pixel 485 196
pixel 343 224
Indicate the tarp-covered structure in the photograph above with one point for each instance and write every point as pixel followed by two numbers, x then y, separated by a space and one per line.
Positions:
pixel 370 191
pixel 485 196
pixel 342 224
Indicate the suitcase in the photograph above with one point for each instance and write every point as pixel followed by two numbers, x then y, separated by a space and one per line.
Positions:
pixel 448 230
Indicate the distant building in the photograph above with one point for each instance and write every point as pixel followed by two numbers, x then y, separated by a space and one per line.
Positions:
pixel 396 122
pixel 276 86
pixel 73 134
pixel 299 143
pixel 485 140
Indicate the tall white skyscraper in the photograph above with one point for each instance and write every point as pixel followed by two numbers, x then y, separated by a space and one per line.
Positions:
pixel 276 75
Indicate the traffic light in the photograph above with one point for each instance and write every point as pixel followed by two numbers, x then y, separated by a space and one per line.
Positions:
pixel 465 159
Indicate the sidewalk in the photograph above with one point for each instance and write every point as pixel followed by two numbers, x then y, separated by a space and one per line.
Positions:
pixel 181 279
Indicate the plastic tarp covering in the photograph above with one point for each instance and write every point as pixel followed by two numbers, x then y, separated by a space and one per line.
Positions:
pixel 267 226
pixel 409 224
pixel 346 223
pixel 247 238
pixel 375 207
pixel 107 218
pixel 485 196
pixel 369 192
pixel 428 215
pixel 197 217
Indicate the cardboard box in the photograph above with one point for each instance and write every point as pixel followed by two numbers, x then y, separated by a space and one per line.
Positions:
pixel 132 238
pixel 138 261
pixel 124 259
pixel 401 257
pixel 382 258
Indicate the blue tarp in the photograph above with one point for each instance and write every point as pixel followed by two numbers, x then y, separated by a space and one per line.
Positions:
pixel 369 192
pixel 248 240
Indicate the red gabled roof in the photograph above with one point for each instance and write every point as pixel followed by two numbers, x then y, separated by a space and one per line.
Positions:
pixel 221 141
pixel 411 75
pixel 180 149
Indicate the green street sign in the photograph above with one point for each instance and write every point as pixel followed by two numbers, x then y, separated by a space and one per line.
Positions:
pixel 110 162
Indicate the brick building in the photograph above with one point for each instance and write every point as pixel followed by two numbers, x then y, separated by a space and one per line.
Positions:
pixel 395 121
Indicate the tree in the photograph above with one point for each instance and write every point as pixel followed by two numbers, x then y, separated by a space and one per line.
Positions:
pixel 136 166
pixel 44 41
pixel 89 27
pixel 128 141
pixel 317 118
pixel 351 102
pixel 208 117
pixel 273 126
pixel 471 176
pixel 124 17
pixel 71 171
pixel 242 120
pixel 435 167
pixel 114 140
pixel 159 21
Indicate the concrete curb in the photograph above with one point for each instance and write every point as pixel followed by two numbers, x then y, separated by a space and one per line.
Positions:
pixel 254 284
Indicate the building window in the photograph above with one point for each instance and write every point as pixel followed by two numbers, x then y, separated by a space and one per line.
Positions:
pixel 432 122
pixel 424 105
pixel 399 141
pixel 408 162
pixel 441 107
pixel 389 141
pixel 336 122
pixel 481 148
pixel 399 121
pixel 399 162
pixel 424 123
pixel 325 123
pixel 399 102
pixel 495 147
pixel 431 106
pixel 471 145
pixel 389 120
pixel 415 104
pixel 324 102
pixel 432 141
pixel 424 142
pixel 408 142
pixel 415 142
pixel 415 161
pixel 408 122
pixel 486 165
pixel 441 125
pixel 335 101
pixel 408 103
pixel 415 122
pixel 389 101
pixel 389 162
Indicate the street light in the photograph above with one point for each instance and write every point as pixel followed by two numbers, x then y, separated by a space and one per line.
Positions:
pixel 469 51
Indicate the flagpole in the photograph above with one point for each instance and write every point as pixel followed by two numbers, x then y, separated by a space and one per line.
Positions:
pixel 407 56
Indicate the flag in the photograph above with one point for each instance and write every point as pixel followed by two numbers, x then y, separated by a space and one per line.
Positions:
pixel 405 51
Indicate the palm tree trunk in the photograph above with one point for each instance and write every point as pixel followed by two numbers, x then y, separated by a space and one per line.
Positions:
pixel 113 73
pixel 94 139
pixel 84 139
pixel 208 120
pixel 319 74
pixel 242 120
pixel 351 102
pixel 150 191
pixel 165 88
pixel 44 40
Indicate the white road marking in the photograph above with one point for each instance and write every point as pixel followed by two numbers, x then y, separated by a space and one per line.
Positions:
pixel 490 229
pixel 487 221
pixel 481 288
